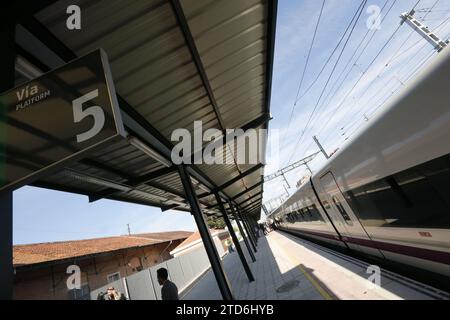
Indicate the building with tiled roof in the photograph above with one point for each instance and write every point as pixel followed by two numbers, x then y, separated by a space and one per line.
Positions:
pixel 30 254
pixel 41 268
pixel 194 241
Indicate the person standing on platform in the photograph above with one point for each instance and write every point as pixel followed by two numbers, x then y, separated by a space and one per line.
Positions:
pixel 169 290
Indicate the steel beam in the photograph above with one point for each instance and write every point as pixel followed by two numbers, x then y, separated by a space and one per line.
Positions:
pixel 250 198
pixel 255 226
pixel 271 31
pixel 135 182
pixel 134 122
pixel 6 245
pixel 21 10
pixel 233 180
pixel 241 231
pixel 247 190
pixel 247 228
pixel 240 194
pixel 251 204
pixel 213 255
pixel 182 22
pixel 252 208
pixel 169 207
pixel 152 175
pixel 235 239
pixel 251 230
pixel 7 79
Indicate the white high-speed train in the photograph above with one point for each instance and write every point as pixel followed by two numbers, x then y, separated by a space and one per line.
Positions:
pixel 387 193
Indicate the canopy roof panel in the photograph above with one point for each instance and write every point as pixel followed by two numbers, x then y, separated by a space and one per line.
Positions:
pixel 173 63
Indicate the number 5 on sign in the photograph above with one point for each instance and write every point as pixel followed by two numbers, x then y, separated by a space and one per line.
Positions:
pixel 80 124
pixel 95 111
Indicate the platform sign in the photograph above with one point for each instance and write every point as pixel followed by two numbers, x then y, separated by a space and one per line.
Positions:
pixel 56 119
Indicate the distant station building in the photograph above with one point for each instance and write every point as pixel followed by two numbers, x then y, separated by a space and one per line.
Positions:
pixel 41 268
pixel 194 242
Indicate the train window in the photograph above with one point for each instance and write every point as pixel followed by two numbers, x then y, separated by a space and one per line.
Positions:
pixel 418 197
pixel 316 214
pixel 306 215
pixel 366 210
pixel 341 210
pixel 299 215
pixel 292 217
pixel 438 176
pixel 289 218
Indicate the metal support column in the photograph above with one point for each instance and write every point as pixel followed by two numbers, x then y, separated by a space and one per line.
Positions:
pixel 424 31
pixel 241 231
pixel 321 148
pixel 246 228
pixel 7 61
pixel 249 229
pixel 235 239
pixel 255 226
pixel 256 229
pixel 6 257
pixel 213 256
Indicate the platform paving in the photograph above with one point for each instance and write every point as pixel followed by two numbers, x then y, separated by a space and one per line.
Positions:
pixel 288 268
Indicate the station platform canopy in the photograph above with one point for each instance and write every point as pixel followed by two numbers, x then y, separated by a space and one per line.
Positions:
pixel 173 63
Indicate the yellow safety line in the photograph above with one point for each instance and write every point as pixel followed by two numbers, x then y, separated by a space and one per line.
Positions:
pixel 318 287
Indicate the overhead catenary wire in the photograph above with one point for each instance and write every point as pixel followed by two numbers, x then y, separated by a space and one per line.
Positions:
pixel 441 25
pixel 362 75
pixel 360 54
pixel 310 49
pixel 411 75
pixel 307 62
pixel 392 57
pixel 365 71
pixel 357 15
pixel 368 67
pixel 389 61
pixel 332 92
pixel 410 33
pixel 328 60
pixel 376 103
pixel 384 99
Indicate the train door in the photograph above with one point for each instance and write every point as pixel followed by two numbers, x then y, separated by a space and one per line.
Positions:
pixel 345 221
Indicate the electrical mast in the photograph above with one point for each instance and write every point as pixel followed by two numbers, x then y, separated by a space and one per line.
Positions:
pixel 423 30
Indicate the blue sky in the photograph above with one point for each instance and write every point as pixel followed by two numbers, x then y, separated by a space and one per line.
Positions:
pixel 42 215
pixel 404 52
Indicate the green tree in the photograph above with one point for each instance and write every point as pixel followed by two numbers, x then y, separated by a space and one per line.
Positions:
pixel 215 222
